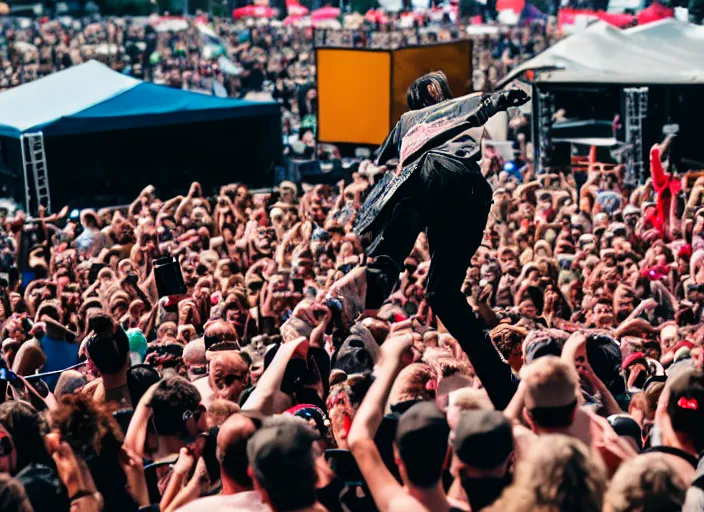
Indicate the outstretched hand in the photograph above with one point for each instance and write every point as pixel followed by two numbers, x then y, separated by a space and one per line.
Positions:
pixel 397 350
pixel 511 98
pixel 133 467
pixel 73 471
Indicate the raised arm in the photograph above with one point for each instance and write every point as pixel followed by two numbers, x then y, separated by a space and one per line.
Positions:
pixel 656 170
pixel 185 207
pixel 169 205
pixel 382 484
pixel 192 490
pixel 137 431
pixel 262 398
pixel 489 105
pixel 179 476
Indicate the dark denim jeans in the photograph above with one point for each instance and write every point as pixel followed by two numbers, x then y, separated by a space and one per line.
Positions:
pixel 452 202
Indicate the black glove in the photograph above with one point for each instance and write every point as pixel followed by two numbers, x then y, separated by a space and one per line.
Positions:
pixel 510 98
pixel 497 102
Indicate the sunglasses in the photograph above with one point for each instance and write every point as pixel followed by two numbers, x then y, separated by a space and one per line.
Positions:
pixel 188 414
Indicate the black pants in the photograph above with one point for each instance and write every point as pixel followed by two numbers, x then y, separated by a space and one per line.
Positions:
pixel 453 207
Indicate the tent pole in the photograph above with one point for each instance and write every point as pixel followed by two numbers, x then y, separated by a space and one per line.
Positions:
pixel 24 173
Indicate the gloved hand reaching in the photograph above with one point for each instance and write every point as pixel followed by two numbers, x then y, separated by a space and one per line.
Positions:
pixel 510 98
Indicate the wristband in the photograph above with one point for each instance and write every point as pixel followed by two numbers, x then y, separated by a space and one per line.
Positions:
pixel 80 494
pixel 88 494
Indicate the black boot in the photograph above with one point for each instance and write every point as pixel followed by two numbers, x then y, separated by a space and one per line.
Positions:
pixel 382 275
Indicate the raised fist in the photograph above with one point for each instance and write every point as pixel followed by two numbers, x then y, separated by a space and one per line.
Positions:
pixel 511 98
pixel 498 102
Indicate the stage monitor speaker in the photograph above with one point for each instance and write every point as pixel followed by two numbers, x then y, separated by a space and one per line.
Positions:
pixel 362 92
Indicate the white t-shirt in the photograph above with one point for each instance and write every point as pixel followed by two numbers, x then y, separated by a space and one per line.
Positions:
pixel 248 501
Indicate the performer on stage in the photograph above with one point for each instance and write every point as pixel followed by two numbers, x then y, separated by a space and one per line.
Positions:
pixel 437 186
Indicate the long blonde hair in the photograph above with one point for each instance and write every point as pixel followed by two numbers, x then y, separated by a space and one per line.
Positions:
pixel 559 473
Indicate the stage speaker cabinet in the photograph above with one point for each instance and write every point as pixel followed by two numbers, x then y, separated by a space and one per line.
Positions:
pixel 362 92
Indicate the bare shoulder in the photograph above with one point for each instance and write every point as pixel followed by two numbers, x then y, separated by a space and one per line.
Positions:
pixel 405 503
pixel 524 439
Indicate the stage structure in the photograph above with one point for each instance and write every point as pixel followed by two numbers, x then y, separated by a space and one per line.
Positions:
pixel 644 83
pixel 362 92
pixel 544 101
pixel 636 99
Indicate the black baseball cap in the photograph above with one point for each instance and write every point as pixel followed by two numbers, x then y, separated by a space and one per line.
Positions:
pixel 547 346
pixel 686 405
pixel 483 439
pixel 282 451
pixel 422 438
pixel 625 426
pixel 422 420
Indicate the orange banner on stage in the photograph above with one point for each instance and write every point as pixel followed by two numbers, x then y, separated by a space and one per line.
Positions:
pixel 353 95
pixel 362 93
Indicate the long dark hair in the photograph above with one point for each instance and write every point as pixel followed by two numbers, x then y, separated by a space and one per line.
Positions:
pixel 429 89
pixel 27 429
pixel 95 436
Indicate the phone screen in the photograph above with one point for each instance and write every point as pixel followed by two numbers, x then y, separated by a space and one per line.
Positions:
pixel 169 277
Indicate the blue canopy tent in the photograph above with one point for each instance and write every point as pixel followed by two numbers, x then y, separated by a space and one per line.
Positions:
pixel 107 135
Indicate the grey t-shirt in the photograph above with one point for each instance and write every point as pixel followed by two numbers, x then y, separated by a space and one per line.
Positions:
pixel 694 501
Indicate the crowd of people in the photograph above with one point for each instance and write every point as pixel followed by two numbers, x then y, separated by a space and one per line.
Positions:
pixel 260 60
pixel 233 59
pixel 277 378
pixel 269 385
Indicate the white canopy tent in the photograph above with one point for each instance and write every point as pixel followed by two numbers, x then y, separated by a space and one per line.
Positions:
pixel 666 51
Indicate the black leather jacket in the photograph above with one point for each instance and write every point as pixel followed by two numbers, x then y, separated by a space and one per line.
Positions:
pixel 420 131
